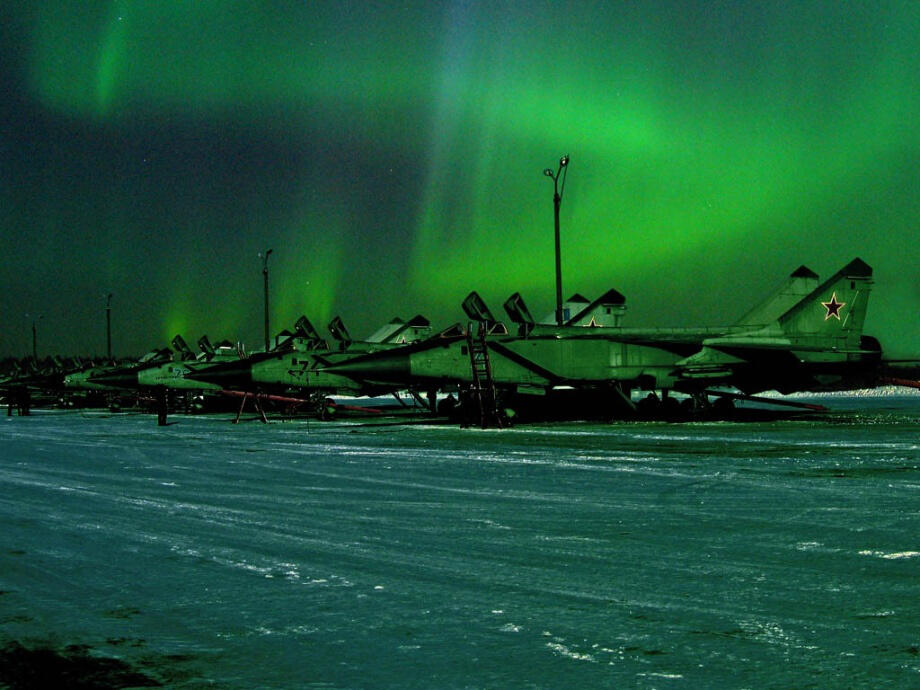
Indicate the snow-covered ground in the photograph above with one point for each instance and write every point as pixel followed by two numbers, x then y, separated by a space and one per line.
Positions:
pixel 299 554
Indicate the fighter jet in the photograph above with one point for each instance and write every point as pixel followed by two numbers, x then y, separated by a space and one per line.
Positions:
pixel 798 339
pixel 30 374
pixel 45 376
pixel 33 374
pixel 168 369
pixel 304 365
pixel 84 379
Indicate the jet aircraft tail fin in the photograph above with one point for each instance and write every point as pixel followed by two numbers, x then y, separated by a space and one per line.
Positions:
pixel 400 332
pixel 157 356
pixel 417 328
pixel 834 310
pixel 385 333
pixel 800 283
pixel 606 310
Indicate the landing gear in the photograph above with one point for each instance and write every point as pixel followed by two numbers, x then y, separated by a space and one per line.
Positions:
pixel 19 397
pixel 695 405
pixel 724 406
pixel 162 405
pixel 482 408
pixel 667 407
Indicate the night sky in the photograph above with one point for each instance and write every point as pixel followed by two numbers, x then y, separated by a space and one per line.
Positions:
pixel 392 155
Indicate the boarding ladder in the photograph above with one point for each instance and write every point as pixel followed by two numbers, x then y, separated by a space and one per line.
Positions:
pixel 482 390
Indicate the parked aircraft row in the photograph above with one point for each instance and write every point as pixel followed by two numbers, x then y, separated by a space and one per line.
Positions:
pixel 806 336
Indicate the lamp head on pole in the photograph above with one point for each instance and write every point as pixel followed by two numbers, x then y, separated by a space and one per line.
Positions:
pixel 264 257
pixel 548 172
pixel 564 161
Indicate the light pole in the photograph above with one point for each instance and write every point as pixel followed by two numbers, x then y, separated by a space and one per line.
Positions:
pixel 264 257
pixel 108 326
pixel 35 319
pixel 558 190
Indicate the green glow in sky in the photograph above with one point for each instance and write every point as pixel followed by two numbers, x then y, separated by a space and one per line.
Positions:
pixel 392 156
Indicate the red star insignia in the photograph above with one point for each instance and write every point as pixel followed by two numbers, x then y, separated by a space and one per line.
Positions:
pixel 833 307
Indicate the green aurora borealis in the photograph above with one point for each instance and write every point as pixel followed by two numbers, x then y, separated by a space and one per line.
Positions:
pixel 392 153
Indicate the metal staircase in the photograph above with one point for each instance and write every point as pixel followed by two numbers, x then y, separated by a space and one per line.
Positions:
pixel 482 394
